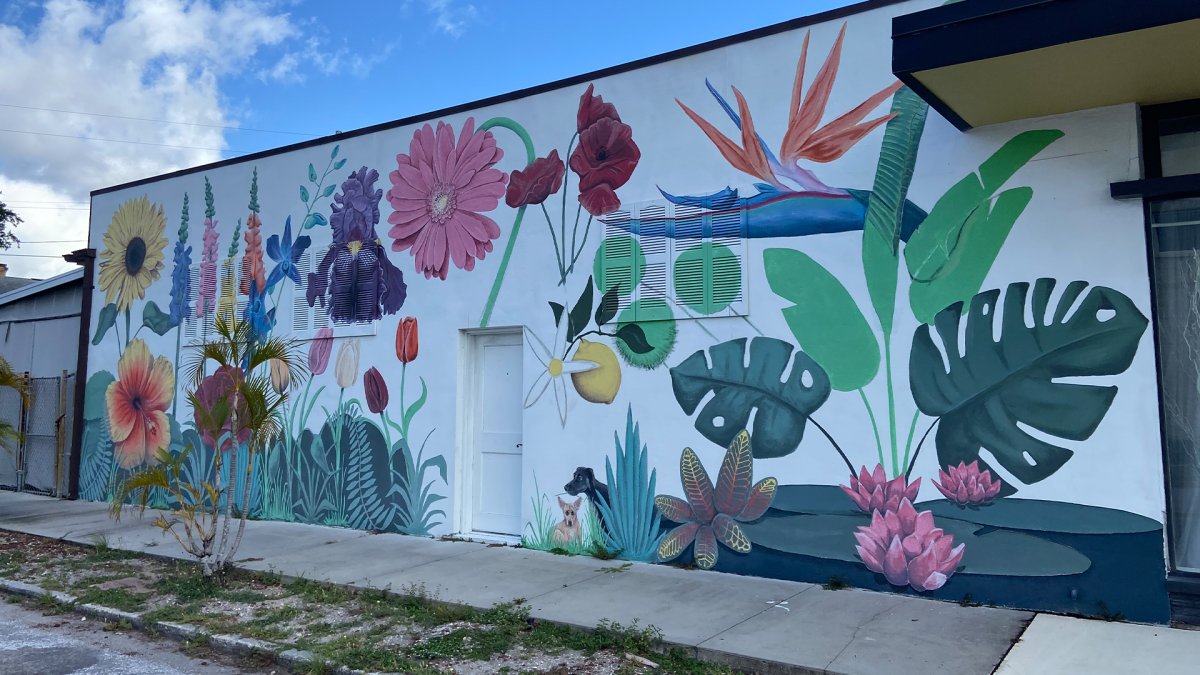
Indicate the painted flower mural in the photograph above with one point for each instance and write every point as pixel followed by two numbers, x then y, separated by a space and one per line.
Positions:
pixel 905 547
pixel 355 280
pixel 966 485
pixel 556 365
pixel 712 515
pixel 319 350
pixel 133 252
pixel 536 182
pixel 606 155
pixel 440 191
pixel 285 253
pixel 253 270
pixel 211 408
pixel 181 279
pixel 206 295
pixel 137 402
pixel 873 492
pixel 802 140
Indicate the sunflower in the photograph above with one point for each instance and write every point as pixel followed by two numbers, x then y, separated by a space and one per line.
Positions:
pixel 133 251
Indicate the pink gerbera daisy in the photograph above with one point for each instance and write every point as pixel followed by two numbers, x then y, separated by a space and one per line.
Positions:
pixel 439 193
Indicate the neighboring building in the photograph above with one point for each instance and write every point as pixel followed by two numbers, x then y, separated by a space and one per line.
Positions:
pixel 8 283
pixel 39 336
pixel 765 233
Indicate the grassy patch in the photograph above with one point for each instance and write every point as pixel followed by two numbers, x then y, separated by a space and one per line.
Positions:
pixel 117 598
pixel 187 584
pixel 318 593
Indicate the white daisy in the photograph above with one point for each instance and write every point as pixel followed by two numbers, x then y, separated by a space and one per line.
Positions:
pixel 556 369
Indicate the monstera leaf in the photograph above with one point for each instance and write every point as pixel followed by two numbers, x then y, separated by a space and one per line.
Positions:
pixel 782 406
pixel 992 386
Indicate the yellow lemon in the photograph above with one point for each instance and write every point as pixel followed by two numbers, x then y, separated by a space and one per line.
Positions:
pixel 600 384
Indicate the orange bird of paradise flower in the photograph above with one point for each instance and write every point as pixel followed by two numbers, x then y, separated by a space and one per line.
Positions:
pixel 803 139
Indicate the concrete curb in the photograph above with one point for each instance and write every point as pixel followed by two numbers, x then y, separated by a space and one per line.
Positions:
pixel 231 645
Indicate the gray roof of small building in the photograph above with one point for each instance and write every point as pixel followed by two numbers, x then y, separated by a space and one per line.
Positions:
pixel 13 283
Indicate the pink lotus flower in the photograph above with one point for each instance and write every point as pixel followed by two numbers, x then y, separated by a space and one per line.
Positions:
pixel 966 485
pixel 872 492
pixel 907 549
pixel 439 191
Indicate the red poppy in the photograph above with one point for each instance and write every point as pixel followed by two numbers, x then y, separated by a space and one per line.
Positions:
pixel 592 109
pixel 377 391
pixel 604 159
pixel 542 178
pixel 406 339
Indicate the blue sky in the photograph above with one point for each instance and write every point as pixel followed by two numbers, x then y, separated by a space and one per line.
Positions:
pixel 87 84
pixel 421 58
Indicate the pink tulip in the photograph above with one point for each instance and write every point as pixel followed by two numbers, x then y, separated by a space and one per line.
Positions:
pixel 906 548
pixel 966 485
pixel 319 350
pixel 872 492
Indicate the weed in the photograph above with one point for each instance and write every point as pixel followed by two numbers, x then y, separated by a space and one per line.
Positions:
pixel 187 584
pixel 51 605
pixel 614 570
pixel 243 596
pixel 117 598
pixel 599 551
pixel 319 593
pixel 122 626
pixel 968 600
pixel 101 551
pixel 835 584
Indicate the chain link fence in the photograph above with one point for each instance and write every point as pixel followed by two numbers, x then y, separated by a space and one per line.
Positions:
pixel 40 460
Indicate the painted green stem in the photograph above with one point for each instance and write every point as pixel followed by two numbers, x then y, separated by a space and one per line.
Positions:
pixel 513 126
pixel 891 392
pixel 912 429
pixel 874 425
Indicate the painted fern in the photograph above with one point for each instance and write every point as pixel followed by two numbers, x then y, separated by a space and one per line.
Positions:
pixel 633 528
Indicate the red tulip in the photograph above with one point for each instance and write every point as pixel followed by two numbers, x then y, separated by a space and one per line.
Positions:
pixel 406 339
pixel 377 391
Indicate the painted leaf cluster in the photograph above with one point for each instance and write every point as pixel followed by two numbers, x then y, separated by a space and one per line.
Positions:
pixel 632 529
pixel 711 515
pixel 782 406
pixel 986 390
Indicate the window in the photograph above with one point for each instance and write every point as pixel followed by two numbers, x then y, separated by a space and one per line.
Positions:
pixel 1171 136
pixel 692 257
pixel 307 320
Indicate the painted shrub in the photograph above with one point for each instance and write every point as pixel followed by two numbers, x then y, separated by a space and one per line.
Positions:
pixel 930 358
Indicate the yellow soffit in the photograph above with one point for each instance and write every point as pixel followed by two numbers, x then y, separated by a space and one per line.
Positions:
pixel 1153 65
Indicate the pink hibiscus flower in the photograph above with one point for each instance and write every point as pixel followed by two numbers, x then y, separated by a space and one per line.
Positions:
pixel 440 190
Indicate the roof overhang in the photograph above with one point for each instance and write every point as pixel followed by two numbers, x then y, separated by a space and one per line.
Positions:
pixel 981 62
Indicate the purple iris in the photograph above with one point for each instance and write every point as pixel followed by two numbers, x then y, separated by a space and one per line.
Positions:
pixel 285 254
pixel 355 280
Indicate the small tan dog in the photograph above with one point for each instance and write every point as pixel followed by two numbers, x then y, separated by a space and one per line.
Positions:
pixel 568 531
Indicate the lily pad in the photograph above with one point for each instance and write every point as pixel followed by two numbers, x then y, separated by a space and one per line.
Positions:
pixel 1043 516
pixel 812 499
pixel 990 552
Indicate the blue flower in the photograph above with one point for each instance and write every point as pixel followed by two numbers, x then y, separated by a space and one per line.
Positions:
pixel 285 254
pixel 261 321
pixel 181 280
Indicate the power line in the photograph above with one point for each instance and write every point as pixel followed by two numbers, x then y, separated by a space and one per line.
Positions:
pixel 27 255
pixel 118 140
pixel 32 201
pixel 50 208
pixel 147 119
pixel 51 241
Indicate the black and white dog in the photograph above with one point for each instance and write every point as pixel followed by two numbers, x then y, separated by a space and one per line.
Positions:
pixel 584 482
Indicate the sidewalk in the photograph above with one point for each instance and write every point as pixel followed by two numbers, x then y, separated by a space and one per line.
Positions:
pixel 751 623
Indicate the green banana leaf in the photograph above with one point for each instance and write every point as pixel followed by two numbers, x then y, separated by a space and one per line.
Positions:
pixel 952 251
pixel 984 391
pixel 783 406
pixel 885 209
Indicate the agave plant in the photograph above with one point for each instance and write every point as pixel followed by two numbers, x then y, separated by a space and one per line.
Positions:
pixel 245 413
pixel 709 515
pixel 632 529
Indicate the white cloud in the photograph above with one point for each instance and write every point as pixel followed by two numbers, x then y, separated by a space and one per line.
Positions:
pixel 292 66
pixel 451 17
pixel 158 59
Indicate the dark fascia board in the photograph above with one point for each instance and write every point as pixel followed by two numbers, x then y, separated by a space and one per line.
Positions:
pixel 793 24
pixel 974 30
pixel 1157 188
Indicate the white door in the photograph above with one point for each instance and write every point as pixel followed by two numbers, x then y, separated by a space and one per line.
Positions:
pixel 497 443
